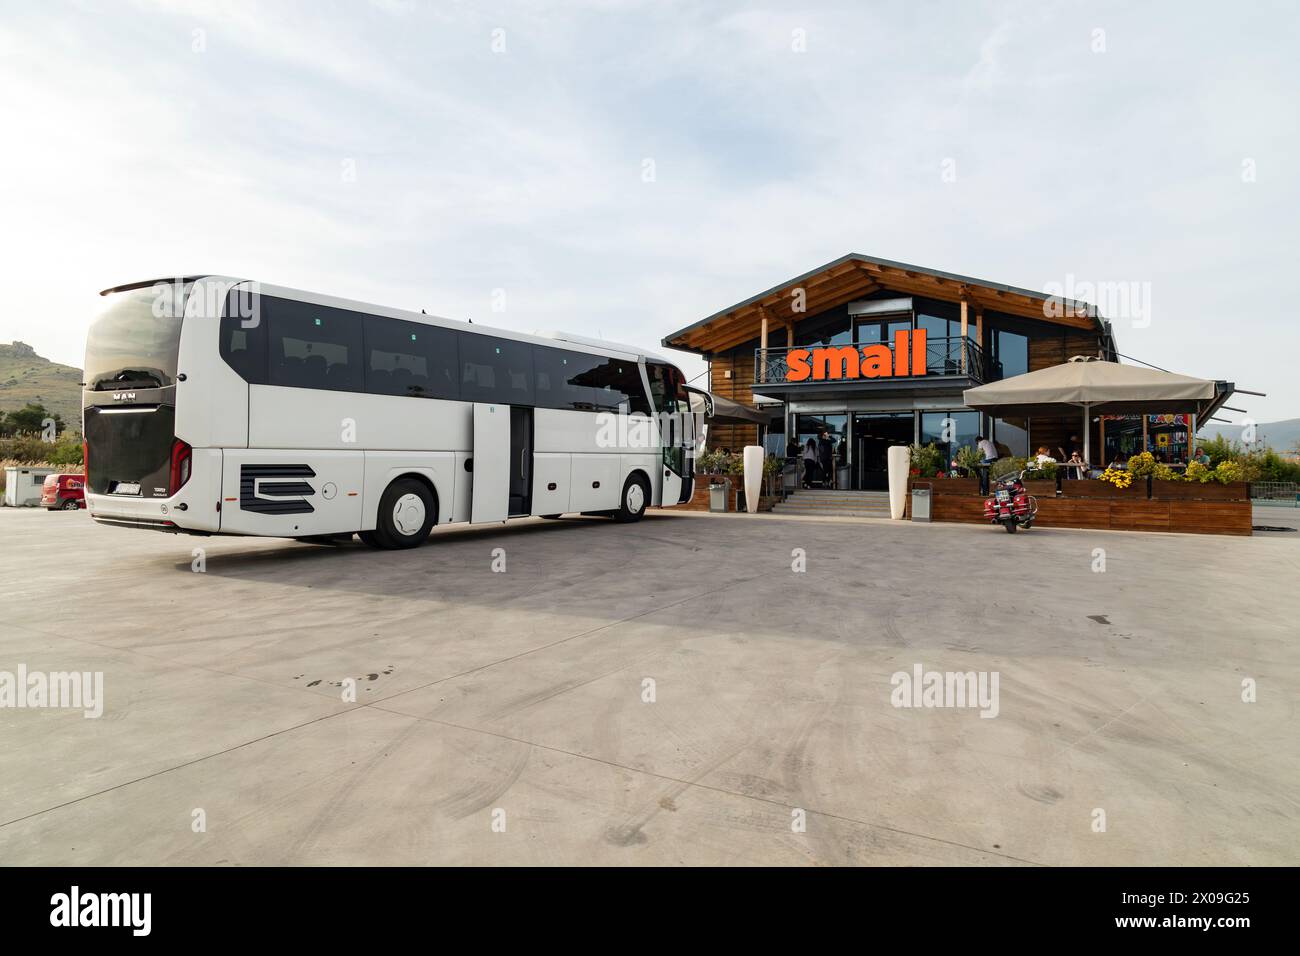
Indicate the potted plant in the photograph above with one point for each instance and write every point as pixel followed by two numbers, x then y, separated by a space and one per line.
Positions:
pixel 1040 478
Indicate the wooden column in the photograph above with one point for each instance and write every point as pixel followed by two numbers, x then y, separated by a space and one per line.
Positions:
pixel 964 326
pixel 762 349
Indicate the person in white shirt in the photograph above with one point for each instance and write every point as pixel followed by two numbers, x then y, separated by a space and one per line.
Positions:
pixel 987 449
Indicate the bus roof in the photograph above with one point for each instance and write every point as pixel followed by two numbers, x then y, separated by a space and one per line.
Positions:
pixel 584 343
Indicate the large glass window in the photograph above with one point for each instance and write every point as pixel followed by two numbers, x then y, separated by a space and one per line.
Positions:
pixel 1123 437
pixel 410 358
pixel 564 378
pixel 1011 436
pixel 495 370
pixel 871 331
pixel 1010 354
pixel 313 346
pixel 950 431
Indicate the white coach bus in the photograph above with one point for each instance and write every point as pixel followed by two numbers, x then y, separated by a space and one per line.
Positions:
pixel 214 405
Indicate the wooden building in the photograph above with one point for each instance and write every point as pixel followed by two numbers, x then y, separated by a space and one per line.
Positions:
pixel 875 353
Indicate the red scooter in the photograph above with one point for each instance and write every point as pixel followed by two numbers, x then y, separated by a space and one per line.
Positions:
pixel 1010 505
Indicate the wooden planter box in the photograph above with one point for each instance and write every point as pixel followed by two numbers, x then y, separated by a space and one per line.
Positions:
pixel 1096 488
pixel 1040 487
pixel 1195 491
pixel 949 486
pixel 1100 505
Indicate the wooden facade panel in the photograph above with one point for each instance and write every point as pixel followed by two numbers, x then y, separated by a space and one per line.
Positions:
pixel 1053 347
pixel 738 388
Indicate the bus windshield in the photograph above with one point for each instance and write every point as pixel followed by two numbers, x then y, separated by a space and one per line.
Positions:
pixel 135 341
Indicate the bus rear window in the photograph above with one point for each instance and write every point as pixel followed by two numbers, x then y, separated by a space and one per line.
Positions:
pixel 136 340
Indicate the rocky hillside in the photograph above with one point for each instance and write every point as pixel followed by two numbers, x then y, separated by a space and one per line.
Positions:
pixel 27 377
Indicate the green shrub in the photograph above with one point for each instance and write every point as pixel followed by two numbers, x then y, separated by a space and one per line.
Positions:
pixel 30 450
pixel 927 460
pixel 968 459
pixel 1006 466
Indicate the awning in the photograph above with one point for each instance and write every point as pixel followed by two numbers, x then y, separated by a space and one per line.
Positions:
pixel 723 411
pixel 1092 385
pixel 1103 386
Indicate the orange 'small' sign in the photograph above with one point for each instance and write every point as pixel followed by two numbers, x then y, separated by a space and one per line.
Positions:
pixel 907 358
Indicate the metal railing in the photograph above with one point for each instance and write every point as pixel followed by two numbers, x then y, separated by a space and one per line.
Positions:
pixel 953 356
pixel 1273 490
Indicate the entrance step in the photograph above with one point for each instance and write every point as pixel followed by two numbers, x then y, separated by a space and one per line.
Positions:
pixel 839 504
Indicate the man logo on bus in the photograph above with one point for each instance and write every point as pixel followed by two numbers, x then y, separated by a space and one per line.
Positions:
pixel 907 358
pixel 263 490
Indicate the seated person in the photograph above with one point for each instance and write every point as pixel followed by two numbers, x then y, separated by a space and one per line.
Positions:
pixel 1043 457
pixel 1076 464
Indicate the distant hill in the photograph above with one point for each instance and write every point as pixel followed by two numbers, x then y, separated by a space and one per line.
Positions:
pixel 1280 436
pixel 27 377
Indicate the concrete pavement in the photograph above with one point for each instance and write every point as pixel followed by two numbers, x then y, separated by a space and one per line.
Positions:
pixel 662 693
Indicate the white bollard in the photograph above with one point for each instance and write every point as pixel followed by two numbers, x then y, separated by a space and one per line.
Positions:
pixel 899 459
pixel 753 477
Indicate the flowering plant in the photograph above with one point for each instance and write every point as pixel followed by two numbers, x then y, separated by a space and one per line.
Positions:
pixel 1120 479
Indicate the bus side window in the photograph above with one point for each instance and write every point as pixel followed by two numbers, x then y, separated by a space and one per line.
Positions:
pixel 495 370
pixel 563 378
pixel 313 346
pixel 243 336
pixel 618 383
pixel 410 358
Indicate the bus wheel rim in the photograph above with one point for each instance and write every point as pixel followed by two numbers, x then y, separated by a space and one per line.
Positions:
pixel 408 514
pixel 635 498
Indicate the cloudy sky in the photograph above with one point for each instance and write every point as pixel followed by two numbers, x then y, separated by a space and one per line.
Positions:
pixel 622 169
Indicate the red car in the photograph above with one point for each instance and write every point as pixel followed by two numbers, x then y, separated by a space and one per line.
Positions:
pixel 63 492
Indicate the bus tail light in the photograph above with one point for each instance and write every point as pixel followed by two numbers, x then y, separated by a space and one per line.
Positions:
pixel 180 471
pixel 85 460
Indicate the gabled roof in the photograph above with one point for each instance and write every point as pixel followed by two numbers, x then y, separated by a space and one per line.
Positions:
pixel 854 276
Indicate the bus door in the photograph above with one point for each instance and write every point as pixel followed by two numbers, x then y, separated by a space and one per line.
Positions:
pixel 674 457
pixel 490 494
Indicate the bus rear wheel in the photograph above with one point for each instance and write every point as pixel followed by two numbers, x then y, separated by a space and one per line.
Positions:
pixel 636 496
pixel 407 514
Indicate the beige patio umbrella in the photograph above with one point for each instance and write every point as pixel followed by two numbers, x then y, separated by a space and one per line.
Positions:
pixel 1089 384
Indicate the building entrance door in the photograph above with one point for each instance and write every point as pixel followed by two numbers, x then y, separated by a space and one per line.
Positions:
pixel 873 434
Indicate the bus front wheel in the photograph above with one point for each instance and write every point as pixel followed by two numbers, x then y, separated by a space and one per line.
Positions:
pixel 636 496
pixel 407 514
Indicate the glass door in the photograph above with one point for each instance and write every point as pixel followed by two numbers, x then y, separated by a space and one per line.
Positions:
pixel 873 434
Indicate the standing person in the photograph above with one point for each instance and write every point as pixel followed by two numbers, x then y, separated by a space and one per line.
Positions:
pixel 826 458
pixel 988 455
pixel 810 462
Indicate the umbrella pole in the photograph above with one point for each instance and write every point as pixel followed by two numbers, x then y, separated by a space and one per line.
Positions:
pixel 1087 437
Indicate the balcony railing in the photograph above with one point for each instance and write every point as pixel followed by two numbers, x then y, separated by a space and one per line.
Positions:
pixel 953 356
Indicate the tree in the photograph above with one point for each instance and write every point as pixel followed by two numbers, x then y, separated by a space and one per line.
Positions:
pixel 30 419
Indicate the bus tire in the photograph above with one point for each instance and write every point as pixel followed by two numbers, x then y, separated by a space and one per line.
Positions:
pixel 634 500
pixel 407 514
